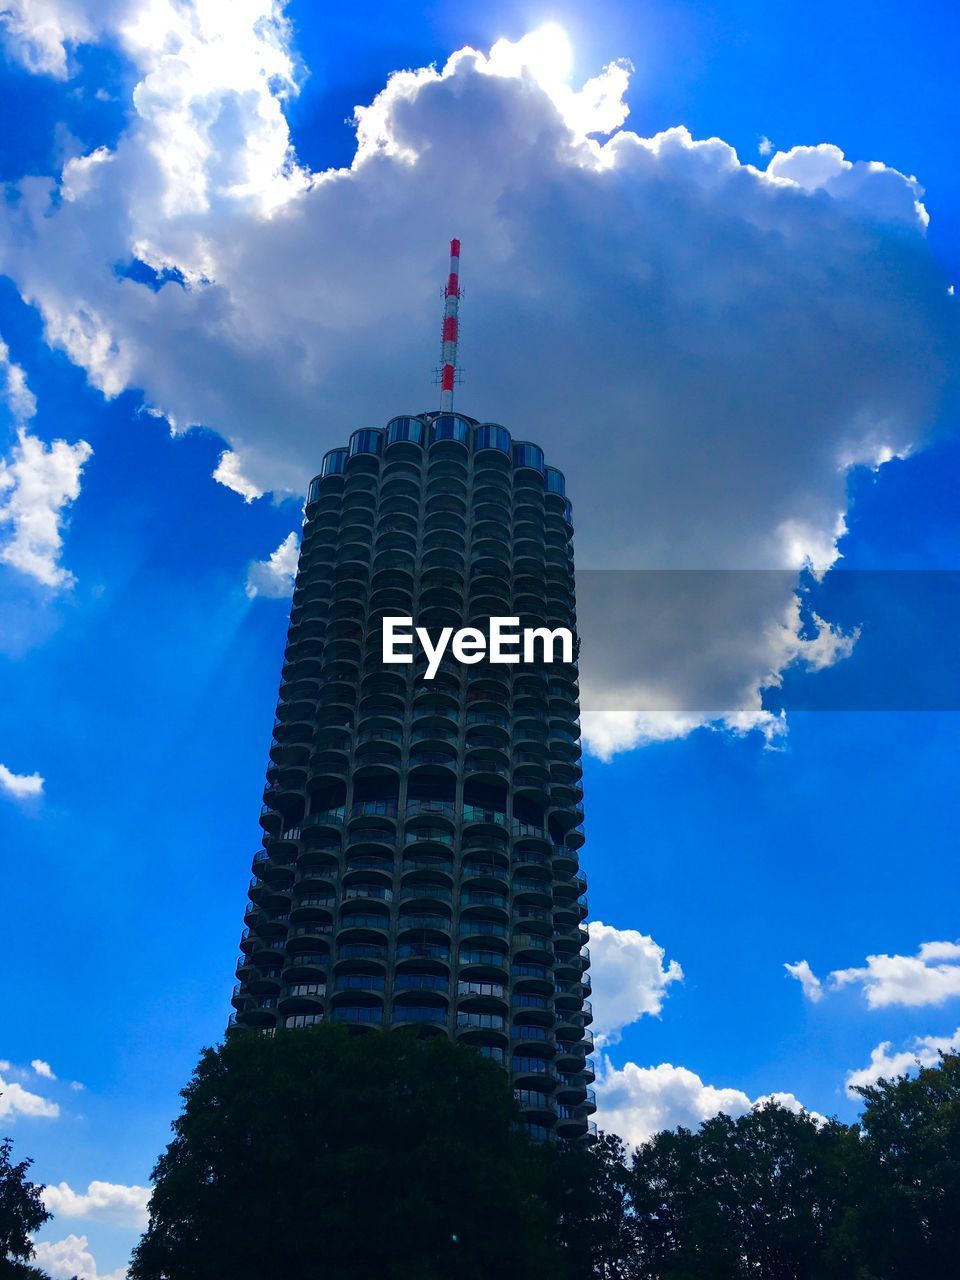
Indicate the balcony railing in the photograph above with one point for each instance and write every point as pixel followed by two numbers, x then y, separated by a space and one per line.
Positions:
pixel 481 1021
pixel 419 1013
pixel 445 808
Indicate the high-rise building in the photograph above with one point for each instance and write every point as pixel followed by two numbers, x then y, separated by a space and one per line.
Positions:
pixel 420 851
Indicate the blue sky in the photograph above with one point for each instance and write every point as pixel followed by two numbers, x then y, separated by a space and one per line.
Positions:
pixel 142 689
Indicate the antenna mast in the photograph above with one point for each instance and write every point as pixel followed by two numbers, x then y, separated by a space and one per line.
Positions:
pixel 451 306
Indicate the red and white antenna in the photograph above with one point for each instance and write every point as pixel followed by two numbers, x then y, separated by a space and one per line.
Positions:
pixel 451 306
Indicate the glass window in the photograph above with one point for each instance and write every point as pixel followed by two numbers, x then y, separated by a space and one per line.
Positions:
pixel 334 462
pixel 555 481
pixel 528 455
pixel 405 429
pixel 490 436
pixel 449 427
pixel 366 442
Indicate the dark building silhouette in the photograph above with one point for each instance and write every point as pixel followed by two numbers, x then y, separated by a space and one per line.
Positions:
pixel 420 850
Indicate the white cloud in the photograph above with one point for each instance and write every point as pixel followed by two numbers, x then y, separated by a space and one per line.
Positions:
pixel 629 976
pixel 228 473
pixel 274 576
pixel 765 146
pixel 37 483
pixel 811 984
pixel 64 1259
pixel 101 1202
pixel 931 977
pixel 15 1101
pixel 887 1063
pixel 672 299
pixel 20 785
pixel 637 1102
pixel 18 397
pixel 43 1069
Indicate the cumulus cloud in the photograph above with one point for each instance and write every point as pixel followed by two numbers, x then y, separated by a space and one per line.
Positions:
pixel 228 473
pixel 71 1257
pixel 20 785
pixel 42 1068
pixel 629 977
pixel 811 984
pixel 673 300
pixel 637 1102
pixel 931 977
pixel 101 1202
pixel 37 483
pixel 274 576
pixel 886 1063
pixel 15 1100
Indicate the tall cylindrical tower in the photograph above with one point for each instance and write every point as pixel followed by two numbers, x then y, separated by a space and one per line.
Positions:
pixel 420 852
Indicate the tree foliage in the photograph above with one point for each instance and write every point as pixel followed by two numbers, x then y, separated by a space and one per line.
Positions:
pixel 21 1213
pixel 318 1155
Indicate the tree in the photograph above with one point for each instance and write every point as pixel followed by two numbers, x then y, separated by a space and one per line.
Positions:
pixel 911 1138
pixel 766 1195
pixel 590 1203
pixel 317 1153
pixel 21 1213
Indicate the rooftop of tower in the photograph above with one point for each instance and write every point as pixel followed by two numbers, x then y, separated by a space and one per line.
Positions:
pixel 418 432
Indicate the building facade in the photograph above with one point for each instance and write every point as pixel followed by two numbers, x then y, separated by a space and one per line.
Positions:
pixel 420 860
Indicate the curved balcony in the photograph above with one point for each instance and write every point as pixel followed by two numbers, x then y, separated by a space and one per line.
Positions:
pixel 373 809
pixel 413 980
pixel 426 892
pixel 531 1033
pixel 330 819
pixel 483 898
pixel 534 945
pixel 526 1064
pixel 362 838
pixel 423 949
pixel 423 922
pixel 535 978
pixel 304 935
pixel 478 927
pixel 526 858
pixel 483 958
pixel 352 921
pixel 435 1014
pixel 257 980
pixel 432 862
pixel 480 991
pixel 473 1022
pixel 312 905
pixel 359 864
pixel 433 763
pixel 304 966
pixel 430 809
pixel 534 1100
pixel 421 836
pixel 474 869
pixel 570 1123
pixel 368 982
pixel 434 734
pixel 364 1014
pixel 377 892
pixel 478 816
pixel 360 951
pixel 303 997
